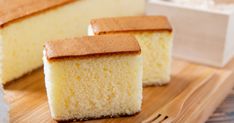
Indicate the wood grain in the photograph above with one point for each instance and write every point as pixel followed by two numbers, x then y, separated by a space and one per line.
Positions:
pixel 171 111
pixel 225 112
pixel 28 101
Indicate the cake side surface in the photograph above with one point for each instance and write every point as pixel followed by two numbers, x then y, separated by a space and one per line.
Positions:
pixel 1 58
pixel 156 48
pixel 92 45
pixel 157 53
pixel 22 40
pixel 128 24
pixel 94 87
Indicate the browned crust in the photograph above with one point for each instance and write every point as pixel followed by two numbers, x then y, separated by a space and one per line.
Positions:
pixel 129 24
pixel 92 46
pixel 96 118
pixel 155 84
pixel 11 10
pixel 92 56
pixel 223 1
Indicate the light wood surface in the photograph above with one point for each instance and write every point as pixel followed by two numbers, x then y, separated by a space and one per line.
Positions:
pixel 28 101
pixel 225 112
pixel 171 111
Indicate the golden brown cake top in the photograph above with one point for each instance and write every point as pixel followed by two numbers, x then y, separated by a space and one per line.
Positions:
pixel 125 24
pixel 92 45
pixel 13 9
pixel 224 1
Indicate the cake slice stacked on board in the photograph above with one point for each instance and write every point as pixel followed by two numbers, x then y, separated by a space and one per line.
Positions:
pixel 154 34
pixel 93 77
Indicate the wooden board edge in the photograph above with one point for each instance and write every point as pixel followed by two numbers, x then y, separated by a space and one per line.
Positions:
pixel 208 107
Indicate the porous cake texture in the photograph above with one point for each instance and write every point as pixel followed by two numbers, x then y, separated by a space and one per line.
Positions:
pixel 25 25
pixel 4 118
pixel 154 34
pixel 93 77
pixel 156 49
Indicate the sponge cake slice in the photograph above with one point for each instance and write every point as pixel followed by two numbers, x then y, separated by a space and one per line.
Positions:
pixel 93 77
pixel 154 34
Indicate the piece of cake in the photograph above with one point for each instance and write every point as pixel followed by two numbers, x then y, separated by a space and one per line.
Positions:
pixel 3 108
pixel 154 34
pixel 25 25
pixel 93 77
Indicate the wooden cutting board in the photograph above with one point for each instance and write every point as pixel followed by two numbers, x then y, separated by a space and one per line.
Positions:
pixel 28 101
